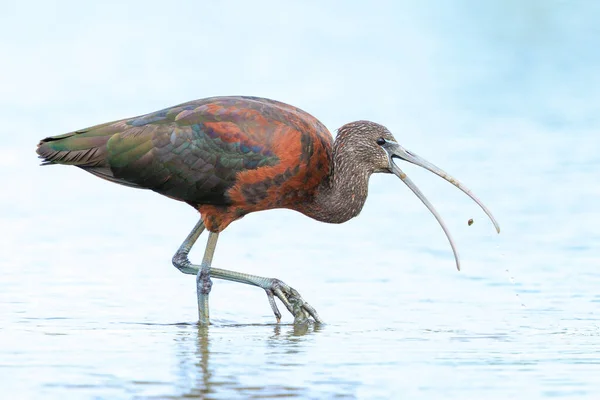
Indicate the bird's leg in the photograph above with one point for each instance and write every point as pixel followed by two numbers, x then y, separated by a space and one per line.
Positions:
pixel 180 259
pixel 203 282
pixel 289 296
pixel 202 271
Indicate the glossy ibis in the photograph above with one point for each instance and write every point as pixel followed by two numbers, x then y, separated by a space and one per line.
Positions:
pixel 230 156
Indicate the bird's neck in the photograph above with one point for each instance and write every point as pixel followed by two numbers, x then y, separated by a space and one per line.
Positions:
pixel 342 196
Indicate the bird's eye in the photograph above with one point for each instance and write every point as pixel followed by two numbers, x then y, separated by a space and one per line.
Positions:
pixel 381 141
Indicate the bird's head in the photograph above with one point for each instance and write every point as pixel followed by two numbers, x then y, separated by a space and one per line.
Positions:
pixel 375 148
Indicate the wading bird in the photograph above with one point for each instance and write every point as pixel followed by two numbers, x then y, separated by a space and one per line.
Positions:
pixel 230 156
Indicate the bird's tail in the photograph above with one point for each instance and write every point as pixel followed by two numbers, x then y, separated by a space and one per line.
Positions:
pixel 85 148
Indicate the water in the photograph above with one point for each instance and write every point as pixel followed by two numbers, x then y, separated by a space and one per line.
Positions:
pixel 91 307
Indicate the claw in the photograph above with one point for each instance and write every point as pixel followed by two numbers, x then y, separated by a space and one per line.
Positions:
pixel 300 316
pixel 313 313
pixel 291 299
pixel 283 298
pixel 273 305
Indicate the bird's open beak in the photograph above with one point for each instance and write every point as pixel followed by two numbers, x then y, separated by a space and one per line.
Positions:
pixel 394 150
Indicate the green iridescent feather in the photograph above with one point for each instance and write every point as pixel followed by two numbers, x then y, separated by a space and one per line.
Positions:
pixel 180 158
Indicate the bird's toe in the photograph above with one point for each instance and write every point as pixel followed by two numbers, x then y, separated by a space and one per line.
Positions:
pixel 293 301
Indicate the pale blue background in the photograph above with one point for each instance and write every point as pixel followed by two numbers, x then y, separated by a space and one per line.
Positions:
pixel 502 94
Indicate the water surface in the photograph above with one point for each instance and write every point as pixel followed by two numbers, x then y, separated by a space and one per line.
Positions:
pixel 504 97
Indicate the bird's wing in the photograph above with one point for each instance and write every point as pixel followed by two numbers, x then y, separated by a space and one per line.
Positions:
pixel 190 152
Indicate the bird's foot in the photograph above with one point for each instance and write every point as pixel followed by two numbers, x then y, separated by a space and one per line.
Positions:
pixel 300 309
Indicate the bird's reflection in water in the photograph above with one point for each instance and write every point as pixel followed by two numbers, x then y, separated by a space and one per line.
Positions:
pixel 194 370
pixel 206 355
pixel 203 356
pixel 292 332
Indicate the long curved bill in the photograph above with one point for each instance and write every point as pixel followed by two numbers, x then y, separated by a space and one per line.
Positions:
pixel 394 150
